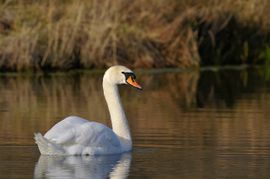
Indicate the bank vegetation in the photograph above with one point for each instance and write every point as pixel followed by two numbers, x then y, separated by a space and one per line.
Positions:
pixel 68 34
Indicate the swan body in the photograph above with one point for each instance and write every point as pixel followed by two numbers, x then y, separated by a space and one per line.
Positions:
pixel 77 136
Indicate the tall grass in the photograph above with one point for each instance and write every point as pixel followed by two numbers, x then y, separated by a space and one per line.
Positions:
pixel 54 34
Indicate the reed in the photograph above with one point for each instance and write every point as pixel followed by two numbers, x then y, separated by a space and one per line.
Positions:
pixel 54 34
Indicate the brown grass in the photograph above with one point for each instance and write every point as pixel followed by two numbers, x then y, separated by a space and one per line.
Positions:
pixel 97 33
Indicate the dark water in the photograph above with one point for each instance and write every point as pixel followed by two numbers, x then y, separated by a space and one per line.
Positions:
pixel 185 124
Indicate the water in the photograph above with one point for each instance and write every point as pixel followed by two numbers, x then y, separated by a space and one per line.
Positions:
pixel 185 124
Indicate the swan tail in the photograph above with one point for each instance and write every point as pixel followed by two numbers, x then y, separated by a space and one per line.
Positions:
pixel 46 147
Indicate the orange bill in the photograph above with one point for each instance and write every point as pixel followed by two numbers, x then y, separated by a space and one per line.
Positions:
pixel 133 83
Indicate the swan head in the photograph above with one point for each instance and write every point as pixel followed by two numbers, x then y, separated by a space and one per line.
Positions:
pixel 121 75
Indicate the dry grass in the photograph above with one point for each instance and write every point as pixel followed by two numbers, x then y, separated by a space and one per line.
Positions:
pixel 97 33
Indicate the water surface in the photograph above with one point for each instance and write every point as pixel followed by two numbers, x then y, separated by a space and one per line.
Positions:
pixel 185 124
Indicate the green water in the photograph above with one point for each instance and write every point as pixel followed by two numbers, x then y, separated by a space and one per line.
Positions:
pixel 185 124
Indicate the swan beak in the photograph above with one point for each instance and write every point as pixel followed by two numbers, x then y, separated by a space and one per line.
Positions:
pixel 133 83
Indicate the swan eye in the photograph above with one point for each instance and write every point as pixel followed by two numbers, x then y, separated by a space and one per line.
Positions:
pixel 130 79
pixel 129 74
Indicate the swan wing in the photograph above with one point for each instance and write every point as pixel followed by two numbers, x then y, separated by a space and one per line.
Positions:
pixel 97 135
pixel 73 131
pixel 64 131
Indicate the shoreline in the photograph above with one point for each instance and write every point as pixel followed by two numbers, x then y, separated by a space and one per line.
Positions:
pixel 95 71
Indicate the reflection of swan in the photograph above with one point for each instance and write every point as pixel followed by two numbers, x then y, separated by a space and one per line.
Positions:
pixel 103 166
pixel 78 136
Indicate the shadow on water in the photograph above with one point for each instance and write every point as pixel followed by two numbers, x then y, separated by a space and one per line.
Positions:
pixel 108 166
pixel 225 87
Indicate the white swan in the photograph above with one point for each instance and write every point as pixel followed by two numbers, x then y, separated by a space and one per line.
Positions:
pixel 77 136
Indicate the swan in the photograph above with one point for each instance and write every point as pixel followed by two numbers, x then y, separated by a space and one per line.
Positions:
pixel 77 136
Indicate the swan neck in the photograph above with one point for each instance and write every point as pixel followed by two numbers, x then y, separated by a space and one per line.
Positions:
pixel 117 114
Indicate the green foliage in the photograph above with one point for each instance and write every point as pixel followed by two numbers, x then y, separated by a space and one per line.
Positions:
pixel 265 55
